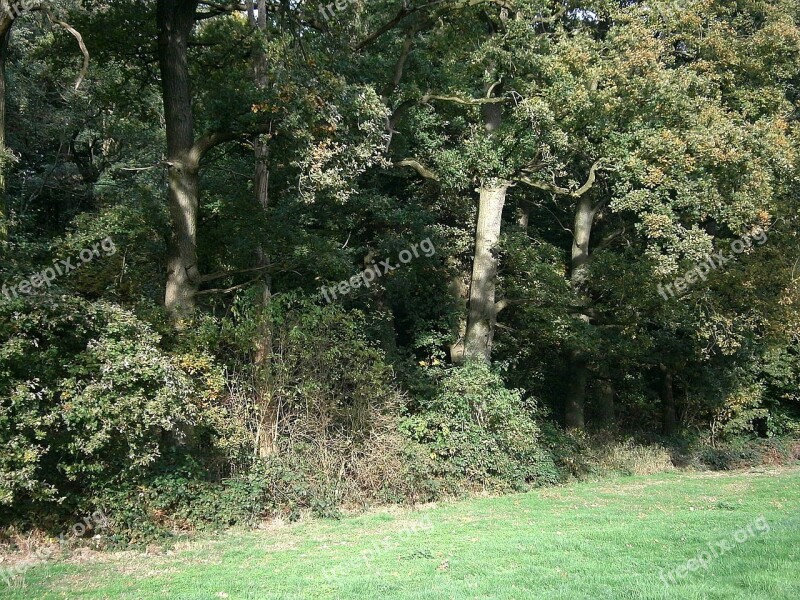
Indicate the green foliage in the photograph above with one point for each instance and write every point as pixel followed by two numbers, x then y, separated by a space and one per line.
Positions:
pixel 89 400
pixel 688 112
pixel 742 453
pixel 479 431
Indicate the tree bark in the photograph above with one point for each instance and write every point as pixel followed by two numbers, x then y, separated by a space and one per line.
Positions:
pixel 176 20
pixel 460 292
pixel 584 219
pixel 482 307
pixel 266 436
pixel 605 402
pixel 482 313
pixel 669 413
pixel 261 145
pixel 576 391
pixel 523 214
pixel 578 362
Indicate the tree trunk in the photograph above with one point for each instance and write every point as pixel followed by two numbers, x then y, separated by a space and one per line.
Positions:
pixel 669 414
pixel 523 214
pixel 266 436
pixel 175 20
pixel 260 144
pixel 578 362
pixel 576 391
pixel 460 292
pixel 482 309
pixel 584 219
pixel 605 402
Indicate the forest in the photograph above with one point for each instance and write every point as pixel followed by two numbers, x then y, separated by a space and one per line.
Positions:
pixel 273 258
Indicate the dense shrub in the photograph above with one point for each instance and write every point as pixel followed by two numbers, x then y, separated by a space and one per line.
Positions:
pixel 740 453
pixel 479 432
pixel 332 401
pixel 88 400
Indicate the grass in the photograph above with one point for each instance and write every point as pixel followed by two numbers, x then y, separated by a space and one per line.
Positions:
pixel 591 540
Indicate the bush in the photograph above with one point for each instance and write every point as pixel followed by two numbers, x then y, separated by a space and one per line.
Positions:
pixel 579 454
pixel 745 453
pixel 479 432
pixel 88 401
pixel 332 401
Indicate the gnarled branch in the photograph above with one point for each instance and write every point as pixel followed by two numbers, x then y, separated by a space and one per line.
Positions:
pixel 555 189
pixel 73 32
pixel 214 138
pixel 465 101
pixel 410 162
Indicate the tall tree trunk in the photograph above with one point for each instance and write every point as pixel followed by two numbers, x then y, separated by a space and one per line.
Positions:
pixel 482 308
pixel 578 358
pixel 669 413
pixel 584 219
pixel 175 20
pixel 460 292
pixel 267 433
pixel 482 313
pixel 260 68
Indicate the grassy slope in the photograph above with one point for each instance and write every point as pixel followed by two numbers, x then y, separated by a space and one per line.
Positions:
pixel 598 540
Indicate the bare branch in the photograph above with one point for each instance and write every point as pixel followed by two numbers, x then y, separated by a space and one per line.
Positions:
pixel 405 50
pixel 229 289
pixel 606 241
pixel 391 24
pixel 467 102
pixel 410 162
pixel 551 187
pixel 589 181
pixel 215 138
pixel 405 12
pixel 543 185
pixel 221 274
pixel 76 34
pixel 224 7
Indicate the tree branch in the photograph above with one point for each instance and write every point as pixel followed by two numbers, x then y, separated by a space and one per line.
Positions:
pixel 606 241
pixel 467 102
pixel 551 187
pixel 543 185
pixel 405 12
pixel 229 289
pixel 410 162
pixel 76 34
pixel 214 138
pixel 391 24
pixel 589 180
pixel 552 18
pixel 221 274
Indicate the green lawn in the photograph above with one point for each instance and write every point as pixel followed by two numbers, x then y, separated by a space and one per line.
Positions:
pixel 594 540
